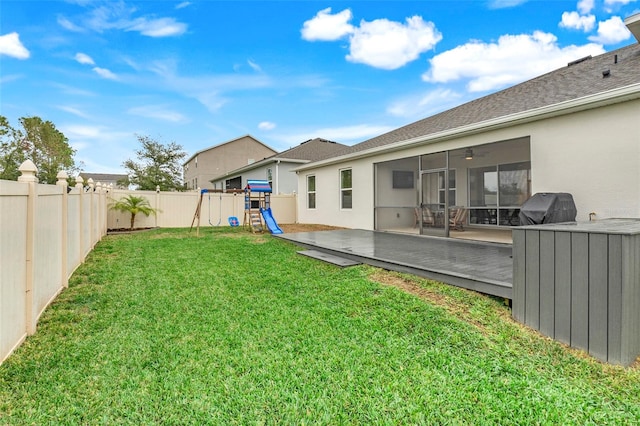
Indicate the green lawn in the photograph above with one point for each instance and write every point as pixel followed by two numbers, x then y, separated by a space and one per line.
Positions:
pixel 234 328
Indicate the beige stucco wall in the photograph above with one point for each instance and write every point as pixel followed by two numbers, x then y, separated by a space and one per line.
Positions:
pixel 594 155
pixel 222 159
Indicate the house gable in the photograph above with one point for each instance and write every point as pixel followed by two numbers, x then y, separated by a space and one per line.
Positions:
pixel 208 163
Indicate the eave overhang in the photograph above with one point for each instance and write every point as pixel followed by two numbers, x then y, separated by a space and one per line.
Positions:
pixel 622 94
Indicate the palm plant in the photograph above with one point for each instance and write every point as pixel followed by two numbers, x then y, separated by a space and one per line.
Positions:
pixel 134 205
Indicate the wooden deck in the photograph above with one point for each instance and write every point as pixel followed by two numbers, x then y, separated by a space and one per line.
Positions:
pixel 480 266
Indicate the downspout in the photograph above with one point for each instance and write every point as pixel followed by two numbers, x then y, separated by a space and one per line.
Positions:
pixel 277 185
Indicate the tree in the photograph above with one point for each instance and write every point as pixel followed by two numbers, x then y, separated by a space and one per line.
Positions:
pixel 134 205
pixel 159 166
pixel 11 151
pixel 48 148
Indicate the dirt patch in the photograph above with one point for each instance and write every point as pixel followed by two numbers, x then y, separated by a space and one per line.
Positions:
pixel 127 230
pixel 444 301
pixel 289 228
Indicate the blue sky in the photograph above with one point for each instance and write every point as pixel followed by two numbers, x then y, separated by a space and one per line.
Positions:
pixel 200 73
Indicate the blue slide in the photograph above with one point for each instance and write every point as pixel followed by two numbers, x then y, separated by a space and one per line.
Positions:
pixel 270 221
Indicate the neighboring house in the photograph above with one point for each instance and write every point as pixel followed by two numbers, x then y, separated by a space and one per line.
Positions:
pixel 104 178
pixel 573 130
pixel 278 169
pixel 214 161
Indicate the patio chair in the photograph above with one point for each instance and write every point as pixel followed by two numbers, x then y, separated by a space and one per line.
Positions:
pixel 428 219
pixel 458 220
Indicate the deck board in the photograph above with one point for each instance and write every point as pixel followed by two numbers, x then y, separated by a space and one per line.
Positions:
pixel 479 266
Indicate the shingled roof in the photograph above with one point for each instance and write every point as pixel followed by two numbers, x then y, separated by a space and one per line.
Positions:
pixel 581 78
pixel 312 150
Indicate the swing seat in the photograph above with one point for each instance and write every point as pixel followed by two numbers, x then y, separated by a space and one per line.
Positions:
pixel 233 221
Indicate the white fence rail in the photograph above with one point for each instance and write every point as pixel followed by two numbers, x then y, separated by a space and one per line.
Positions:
pixel 47 231
pixel 45 234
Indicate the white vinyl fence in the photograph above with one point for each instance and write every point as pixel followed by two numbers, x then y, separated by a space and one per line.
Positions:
pixel 45 234
pixel 178 209
pixel 47 231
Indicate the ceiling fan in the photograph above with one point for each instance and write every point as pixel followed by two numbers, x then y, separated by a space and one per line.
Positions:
pixel 470 154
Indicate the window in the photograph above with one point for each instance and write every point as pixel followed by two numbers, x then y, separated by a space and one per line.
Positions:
pixel 311 192
pixel 235 183
pixel 452 189
pixel 496 193
pixel 346 192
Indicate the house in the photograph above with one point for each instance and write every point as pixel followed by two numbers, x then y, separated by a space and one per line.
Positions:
pixel 572 130
pixel 206 164
pixel 278 169
pixel 105 178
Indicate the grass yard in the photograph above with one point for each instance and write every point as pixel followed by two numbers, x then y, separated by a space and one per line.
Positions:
pixel 162 327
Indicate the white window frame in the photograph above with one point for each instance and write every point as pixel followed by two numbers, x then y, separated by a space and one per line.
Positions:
pixel 312 192
pixel 346 189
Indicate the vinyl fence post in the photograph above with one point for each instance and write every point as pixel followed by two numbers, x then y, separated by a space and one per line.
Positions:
pixel 62 181
pixel 29 171
pixel 80 187
pixel 91 212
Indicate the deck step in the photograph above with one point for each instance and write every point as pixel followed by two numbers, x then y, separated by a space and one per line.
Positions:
pixel 329 258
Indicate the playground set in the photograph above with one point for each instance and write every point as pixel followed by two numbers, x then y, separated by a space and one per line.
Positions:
pixel 257 209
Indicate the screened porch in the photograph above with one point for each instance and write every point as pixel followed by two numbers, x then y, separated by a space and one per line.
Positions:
pixel 471 192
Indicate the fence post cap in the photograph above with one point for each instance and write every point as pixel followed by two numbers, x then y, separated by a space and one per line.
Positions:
pixel 79 182
pixel 90 183
pixel 62 178
pixel 28 170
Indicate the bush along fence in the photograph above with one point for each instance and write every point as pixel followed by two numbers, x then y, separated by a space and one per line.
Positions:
pixel 46 232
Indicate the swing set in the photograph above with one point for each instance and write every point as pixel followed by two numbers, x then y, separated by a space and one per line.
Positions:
pixel 257 209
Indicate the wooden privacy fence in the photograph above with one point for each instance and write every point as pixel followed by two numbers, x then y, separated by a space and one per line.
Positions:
pixel 46 232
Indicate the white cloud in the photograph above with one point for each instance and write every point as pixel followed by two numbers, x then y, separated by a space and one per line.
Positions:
pixel 500 4
pixel 74 111
pixel 67 24
pixel 266 125
pixel 513 59
pixel 347 134
pixel 84 59
pixel 113 146
pixel 254 66
pixel 389 45
pixel 116 15
pixel 158 112
pixel 10 45
pixel 105 73
pixel 163 27
pixel 425 104
pixel 71 90
pixel 575 21
pixel 617 2
pixel 83 131
pixel 380 43
pixel 183 5
pixel 611 31
pixel 586 6
pixel 9 78
pixel 327 27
